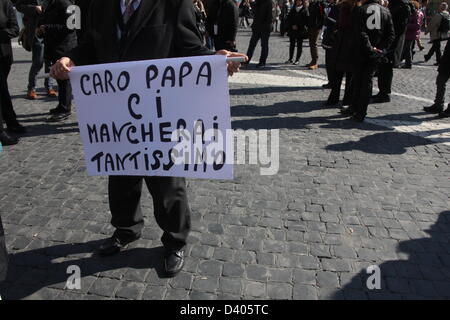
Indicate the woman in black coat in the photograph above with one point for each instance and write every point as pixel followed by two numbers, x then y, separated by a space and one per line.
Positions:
pixel 8 30
pixel 58 40
pixel 297 22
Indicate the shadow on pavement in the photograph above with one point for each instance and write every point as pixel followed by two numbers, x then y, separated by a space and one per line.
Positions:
pixel 424 275
pixel 23 280
pixel 382 143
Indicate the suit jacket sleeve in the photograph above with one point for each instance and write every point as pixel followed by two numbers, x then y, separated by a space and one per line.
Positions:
pixel 231 11
pixel 84 53
pixel 187 37
pixel 12 28
pixel 388 34
pixel 57 27
pixel 26 8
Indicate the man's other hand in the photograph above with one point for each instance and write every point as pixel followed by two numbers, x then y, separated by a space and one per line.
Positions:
pixel 232 66
pixel 60 70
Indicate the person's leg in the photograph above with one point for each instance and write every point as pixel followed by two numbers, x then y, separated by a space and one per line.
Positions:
pixel 171 210
pixel 37 62
pixel 313 37
pixel 348 89
pixel 430 52
pixel 441 82
pixel 438 51
pixel 299 41
pixel 264 48
pixel 124 194
pixel 385 75
pixel 252 45
pixel 335 87
pixel 362 103
pixel 7 107
pixel 408 52
pixel 291 48
pixel 65 95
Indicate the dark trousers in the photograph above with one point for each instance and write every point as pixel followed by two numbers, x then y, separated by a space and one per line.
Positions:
pixel 336 83
pixel 435 49
pixel 329 66
pixel 264 37
pixel 362 88
pixel 385 75
pixel 9 116
pixel 37 63
pixel 3 254
pixel 441 82
pixel 170 207
pixel 408 52
pixel 64 91
pixel 313 38
pixel 295 40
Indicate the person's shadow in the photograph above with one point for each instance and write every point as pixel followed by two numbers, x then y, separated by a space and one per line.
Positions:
pixel 33 270
pixel 424 275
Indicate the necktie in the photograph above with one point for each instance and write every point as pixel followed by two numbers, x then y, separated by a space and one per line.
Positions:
pixel 129 10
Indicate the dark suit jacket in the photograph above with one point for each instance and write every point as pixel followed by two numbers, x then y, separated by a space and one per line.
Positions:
pixel 30 19
pixel 58 39
pixel 227 20
pixel 159 29
pixel 8 28
pixel 263 16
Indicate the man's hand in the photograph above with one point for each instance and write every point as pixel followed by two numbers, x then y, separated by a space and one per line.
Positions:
pixel 60 70
pixel 232 66
pixel 40 31
pixel 38 9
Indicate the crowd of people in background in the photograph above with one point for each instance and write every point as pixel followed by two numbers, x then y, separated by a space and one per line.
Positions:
pixel 348 54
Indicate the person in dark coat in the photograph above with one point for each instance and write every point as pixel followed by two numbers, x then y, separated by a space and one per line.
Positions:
pixel 329 38
pixel 84 9
pixel 297 24
pixel 58 40
pixel 372 38
pixel 400 12
pixel 261 27
pixel 8 29
pixel 441 82
pixel 341 55
pixel 146 29
pixel 227 25
pixel 285 9
pixel 316 19
pixel 32 10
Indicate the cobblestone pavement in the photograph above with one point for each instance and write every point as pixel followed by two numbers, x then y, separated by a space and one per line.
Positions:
pixel 346 196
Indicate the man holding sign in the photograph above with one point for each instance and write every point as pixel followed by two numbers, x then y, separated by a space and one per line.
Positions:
pixel 133 30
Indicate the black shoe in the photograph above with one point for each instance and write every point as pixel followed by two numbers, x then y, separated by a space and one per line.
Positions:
pixel 17 128
pixel 260 65
pixel 56 110
pixel 445 113
pixel 7 140
pixel 358 117
pixel 406 66
pixel 434 108
pixel 327 86
pixel 60 116
pixel 347 110
pixel 381 98
pixel 113 245
pixel 426 58
pixel 436 64
pixel 289 61
pixel 174 262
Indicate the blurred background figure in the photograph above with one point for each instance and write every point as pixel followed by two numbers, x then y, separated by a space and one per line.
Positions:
pixel 316 11
pixel 297 22
pixel 412 34
pixel 244 13
pixel 438 29
pixel 35 44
